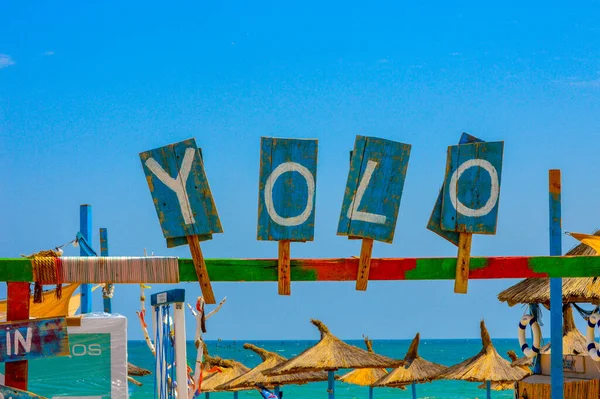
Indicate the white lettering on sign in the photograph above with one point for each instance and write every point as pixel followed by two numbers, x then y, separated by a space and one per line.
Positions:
pixel 177 184
pixel 494 189
pixel 353 212
pixel 270 183
pixel 25 342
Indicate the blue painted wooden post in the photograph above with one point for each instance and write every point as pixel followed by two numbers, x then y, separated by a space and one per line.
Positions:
pixel 277 390
pixel 370 392
pixel 488 387
pixel 414 390
pixel 85 227
pixel 104 252
pixel 330 384
pixel 235 395
pixel 556 317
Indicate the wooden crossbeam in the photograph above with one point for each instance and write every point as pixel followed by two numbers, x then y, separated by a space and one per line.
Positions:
pixel 346 269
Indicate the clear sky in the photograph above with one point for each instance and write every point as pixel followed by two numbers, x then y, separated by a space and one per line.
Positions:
pixel 85 87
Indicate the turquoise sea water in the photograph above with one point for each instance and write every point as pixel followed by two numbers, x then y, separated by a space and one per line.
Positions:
pixel 447 352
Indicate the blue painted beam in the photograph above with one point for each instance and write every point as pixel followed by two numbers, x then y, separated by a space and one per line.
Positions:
pixel 85 227
pixel 104 252
pixel 556 318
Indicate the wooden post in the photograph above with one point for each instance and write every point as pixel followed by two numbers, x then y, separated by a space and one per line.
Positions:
pixel 488 388
pixel 414 390
pixel 331 384
pixel 364 264
pixel 201 271
pixel 371 392
pixel 104 252
pixel 556 318
pixel 283 267
pixel 463 261
pixel 17 309
pixel 235 395
pixel 85 227
pixel 277 392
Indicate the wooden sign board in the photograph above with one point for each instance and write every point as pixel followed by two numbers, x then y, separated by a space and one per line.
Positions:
pixel 180 191
pixel 372 197
pixel 435 220
pixel 33 339
pixel 12 393
pixel 472 188
pixel 287 189
pixel 286 197
pixel 374 189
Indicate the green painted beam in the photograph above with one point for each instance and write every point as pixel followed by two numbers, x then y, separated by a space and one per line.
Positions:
pixel 345 269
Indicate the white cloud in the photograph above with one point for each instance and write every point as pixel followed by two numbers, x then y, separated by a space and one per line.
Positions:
pixel 49 53
pixel 6 61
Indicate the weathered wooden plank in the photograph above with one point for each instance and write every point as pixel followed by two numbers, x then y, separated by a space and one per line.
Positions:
pixel 201 272
pixel 283 267
pixel 374 189
pixel 346 269
pixel 16 373
pixel 287 189
pixel 472 188
pixel 33 339
pixel 180 191
pixel 13 393
pixel 435 220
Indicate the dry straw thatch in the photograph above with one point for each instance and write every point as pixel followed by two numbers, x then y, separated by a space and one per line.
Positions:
pixel 575 290
pixel 574 342
pixel 523 363
pixel 415 369
pixel 364 377
pixel 487 365
pixel 132 369
pixel 330 354
pixel 229 369
pixel 270 360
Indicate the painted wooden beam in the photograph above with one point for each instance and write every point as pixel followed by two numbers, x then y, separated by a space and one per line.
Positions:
pixel 346 269
pixel 556 316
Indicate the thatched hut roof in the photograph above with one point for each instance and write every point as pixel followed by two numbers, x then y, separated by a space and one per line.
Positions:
pixel 270 360
pixel 522 362
pixel 414 369
pixel 331 353
pixel 487 365
pixel 575 290
pixel 229 369
pixel 364 377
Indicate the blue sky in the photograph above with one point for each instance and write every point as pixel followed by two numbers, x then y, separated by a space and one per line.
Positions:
pixel 85 87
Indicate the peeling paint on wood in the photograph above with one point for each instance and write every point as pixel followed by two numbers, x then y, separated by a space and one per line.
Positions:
pixel 33 339
pixel 472 188
pixel 180 192
pixel 374 189
pixel 287 189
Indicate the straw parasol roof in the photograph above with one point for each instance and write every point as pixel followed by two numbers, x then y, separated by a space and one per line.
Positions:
pixel 537 290
pixel 574 342
pixel 523 363
pixel 270 360
pixel 331 353
pixel 415 369
pixel 364 377
pixel 230 369
pixel 132 369
pixel 487 365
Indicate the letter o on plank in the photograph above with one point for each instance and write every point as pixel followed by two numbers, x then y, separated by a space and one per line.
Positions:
pixel 270 183
pixel 494 190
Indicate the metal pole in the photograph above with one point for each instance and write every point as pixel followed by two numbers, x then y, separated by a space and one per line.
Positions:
pixel 556 318
pixel 104 252
pixel 414 390
pixel 85 227
pixel 488 386
pixel 330 384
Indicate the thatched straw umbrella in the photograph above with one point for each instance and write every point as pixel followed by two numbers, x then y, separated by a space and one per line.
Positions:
pixel 331 354
pixel 229 369
pixel 487 366
pixel 132 369
pixel 575 290
pixel 365 377
pixel 524 363
pixel 270 360
pixel 415 370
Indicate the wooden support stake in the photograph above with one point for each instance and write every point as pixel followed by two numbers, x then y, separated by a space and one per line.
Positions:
pixel 463 261
pixel 201 271
pixel 364 264
pixel 283 267
pixel 17 310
